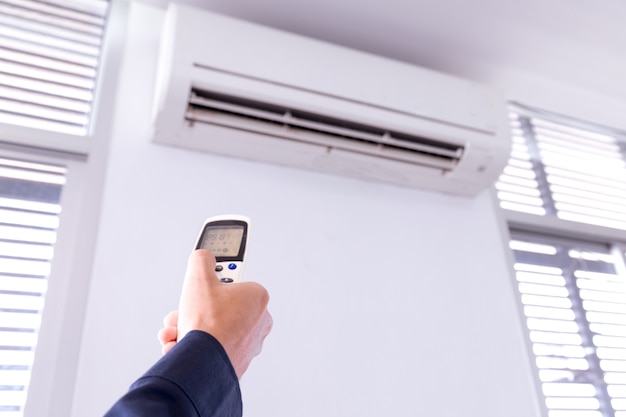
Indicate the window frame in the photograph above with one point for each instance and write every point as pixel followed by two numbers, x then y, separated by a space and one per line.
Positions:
pixel 63 284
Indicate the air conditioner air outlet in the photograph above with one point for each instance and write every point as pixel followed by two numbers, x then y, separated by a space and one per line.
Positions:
pixel 298 125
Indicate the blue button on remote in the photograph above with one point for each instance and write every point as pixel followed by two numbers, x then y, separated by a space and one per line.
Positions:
pixel 232 266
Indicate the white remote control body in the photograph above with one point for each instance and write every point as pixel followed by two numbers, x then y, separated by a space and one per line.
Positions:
pixel 226 237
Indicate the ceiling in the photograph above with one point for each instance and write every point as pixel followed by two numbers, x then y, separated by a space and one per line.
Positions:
pixel 572 42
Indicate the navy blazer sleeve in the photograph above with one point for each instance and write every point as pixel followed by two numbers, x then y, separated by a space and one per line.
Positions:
pixel 195 378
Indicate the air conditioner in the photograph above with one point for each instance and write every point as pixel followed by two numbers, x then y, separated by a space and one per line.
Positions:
pixel 240 89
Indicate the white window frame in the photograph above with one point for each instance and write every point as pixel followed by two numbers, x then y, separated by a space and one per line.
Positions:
pixel 70 145
pixel 65 289
pixel 53 374
pixel 559 229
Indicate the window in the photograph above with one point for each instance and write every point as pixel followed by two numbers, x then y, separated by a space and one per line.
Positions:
pixel 559 169
pixel 564 196
pixel 29 209
pixel 49 60
pixel 50 67
pixel 575 306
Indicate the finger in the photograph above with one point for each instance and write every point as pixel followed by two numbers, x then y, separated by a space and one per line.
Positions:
pixel 171 319
pixel 269 324
pixel 199 286
pixel 167 334
pixel 256 293
pixel 166 347
pixel 266 327
pixel 201 266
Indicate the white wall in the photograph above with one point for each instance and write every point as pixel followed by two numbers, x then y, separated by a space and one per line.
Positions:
pixel 387 301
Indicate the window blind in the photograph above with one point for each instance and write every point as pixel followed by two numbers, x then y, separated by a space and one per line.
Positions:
pixel 49 59
pixel 29 210
pixel 565 169
pixel 574 300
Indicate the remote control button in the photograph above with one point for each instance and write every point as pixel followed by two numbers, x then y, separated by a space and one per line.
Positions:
pixel 218 268
pixel 232 266
pixel 226 280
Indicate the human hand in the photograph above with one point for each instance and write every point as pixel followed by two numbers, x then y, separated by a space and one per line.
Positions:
pixel 235 314
pixel 169 332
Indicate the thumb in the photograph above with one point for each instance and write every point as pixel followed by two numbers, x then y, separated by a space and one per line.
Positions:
pixel 198 287
pixel 201 269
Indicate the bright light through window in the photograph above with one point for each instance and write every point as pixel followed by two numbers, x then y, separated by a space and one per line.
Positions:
pixel 574 301
pixel 49 62
pixel 29 209
pixel 572 173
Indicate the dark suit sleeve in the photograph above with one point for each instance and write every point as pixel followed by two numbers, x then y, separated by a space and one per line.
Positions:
pixel 195 378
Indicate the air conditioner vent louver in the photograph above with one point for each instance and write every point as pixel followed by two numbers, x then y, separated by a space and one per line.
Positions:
pixel 334 133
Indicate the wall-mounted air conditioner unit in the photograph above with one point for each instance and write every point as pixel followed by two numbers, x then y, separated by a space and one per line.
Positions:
pixel 239 89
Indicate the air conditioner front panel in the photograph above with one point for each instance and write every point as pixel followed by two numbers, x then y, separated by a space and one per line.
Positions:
pixel 341 111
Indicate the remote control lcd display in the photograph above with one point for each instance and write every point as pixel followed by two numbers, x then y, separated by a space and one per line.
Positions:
pixel 223 240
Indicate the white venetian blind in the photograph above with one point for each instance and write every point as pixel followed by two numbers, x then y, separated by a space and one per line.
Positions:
pixel 49 58
pixel 574 300
pixel 565 169
pixel 29 210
